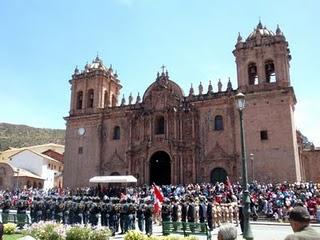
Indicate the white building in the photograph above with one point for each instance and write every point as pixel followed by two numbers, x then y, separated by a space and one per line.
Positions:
pixel 37 166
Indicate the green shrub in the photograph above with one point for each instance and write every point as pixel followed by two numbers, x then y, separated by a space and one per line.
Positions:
pixel 9 228
pixel 78 233
pixel 135 235
pixel 100 234
pixel 44 231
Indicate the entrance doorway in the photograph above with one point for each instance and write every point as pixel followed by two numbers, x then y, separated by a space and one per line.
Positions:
pixel 160 169
pixel 218 175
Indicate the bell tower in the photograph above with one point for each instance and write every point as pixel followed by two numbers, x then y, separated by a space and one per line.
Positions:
pixel 262 59
pixel 94 88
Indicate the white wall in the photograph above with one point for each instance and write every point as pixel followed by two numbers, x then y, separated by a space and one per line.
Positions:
pixel 28 161
pixel 35 164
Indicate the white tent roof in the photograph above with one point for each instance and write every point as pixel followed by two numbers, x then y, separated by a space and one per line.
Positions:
pixel 113 179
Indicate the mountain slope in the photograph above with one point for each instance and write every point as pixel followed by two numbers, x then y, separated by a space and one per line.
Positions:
pixel 12 135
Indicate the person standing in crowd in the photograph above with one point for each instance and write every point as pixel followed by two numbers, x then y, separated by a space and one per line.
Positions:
pixel 227 232
pixel 299 219
pixel 148 217
pixel 140 215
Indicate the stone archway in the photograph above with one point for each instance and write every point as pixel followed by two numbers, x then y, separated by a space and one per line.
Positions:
pixel 160 168
pixel 218 175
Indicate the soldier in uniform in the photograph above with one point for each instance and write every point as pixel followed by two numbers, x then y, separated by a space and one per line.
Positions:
pixel 108 211
pixel 209 213
pixel 148 217
pixel 94 211
pixel 175 213
pixel 191 214
pixel 67 218
pixel 58 210
pixel 166 210
pixel 184 210
pixel 5 205
pixel 77 210
pixel 114 216
pixel 22 206
pixel 218 214
pixel 202 212
pixel 33 210
pixel 131 215
pixel 231 212
pixel 103 207
pixel 39 209
pixel 86 214
pixel 214 214
pixel 140 215
pixel 123 215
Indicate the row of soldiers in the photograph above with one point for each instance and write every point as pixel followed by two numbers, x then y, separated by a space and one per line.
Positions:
pixel 122 214
pixel 203 211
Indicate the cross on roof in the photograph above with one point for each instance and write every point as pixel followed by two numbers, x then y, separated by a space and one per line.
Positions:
pixel 163 67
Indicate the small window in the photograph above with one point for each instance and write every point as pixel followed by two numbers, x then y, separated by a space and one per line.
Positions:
pixel 264 135
pixel 49 165
pixel 79 99
pixel 116 133
pixel 159 126
pixel 218 123
pixel 80 150
pixel 90 98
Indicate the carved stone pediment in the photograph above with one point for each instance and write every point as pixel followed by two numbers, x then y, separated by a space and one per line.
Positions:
pixel 115 161
pixel 217 153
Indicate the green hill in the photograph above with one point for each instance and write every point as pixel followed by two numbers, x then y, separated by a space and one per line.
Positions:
pixel 12 135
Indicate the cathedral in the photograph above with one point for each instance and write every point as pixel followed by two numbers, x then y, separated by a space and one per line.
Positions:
pixel 168 137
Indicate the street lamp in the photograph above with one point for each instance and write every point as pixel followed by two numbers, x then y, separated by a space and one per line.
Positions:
pixel 18 170
pixel 247 234
pixel 252 165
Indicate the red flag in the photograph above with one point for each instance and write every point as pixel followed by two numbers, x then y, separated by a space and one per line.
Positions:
pixel 157 193
pixel 157 205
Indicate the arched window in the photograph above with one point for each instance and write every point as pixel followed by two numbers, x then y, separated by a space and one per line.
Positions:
pixel 270 71
pixel 159 126
pixel 218 123
pixel 116 133
pixel 252 74
pixel 79 99
pixel 90 98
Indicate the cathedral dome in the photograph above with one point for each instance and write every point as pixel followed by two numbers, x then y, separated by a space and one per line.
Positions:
pixel 260 31
pixel 163 82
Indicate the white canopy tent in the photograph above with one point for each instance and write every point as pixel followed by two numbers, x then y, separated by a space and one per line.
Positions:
pixel 113 179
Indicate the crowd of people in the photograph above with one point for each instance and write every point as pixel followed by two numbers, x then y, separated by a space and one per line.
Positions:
pixel 121 209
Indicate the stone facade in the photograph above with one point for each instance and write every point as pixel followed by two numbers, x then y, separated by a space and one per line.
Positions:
pixel 168 137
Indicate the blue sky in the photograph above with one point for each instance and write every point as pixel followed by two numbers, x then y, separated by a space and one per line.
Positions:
pixel 42 41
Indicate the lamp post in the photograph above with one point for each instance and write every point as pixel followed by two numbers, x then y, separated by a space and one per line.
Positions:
pixel 247 234
pixel 18 170
pixel 252 165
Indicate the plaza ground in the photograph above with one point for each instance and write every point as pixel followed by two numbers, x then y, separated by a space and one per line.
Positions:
pixel 260 230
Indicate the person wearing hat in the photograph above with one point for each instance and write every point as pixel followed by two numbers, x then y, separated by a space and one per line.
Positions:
pixel 299 219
